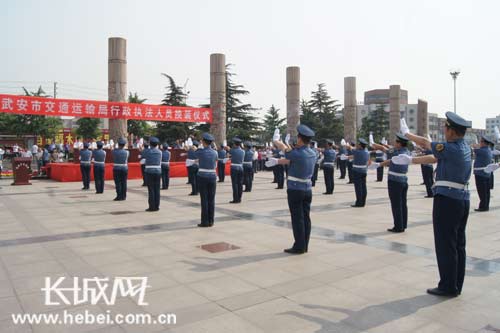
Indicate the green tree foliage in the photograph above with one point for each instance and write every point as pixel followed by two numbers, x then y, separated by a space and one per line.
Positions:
pixel 138 128
pixel 271 121
pixel 377 122
pixel 88 128
pixel 240 117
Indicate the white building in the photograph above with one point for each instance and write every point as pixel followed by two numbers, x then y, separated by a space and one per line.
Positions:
pixel 490 126
pixel 408 111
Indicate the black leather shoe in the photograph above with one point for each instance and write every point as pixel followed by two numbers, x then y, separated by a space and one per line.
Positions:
pixel 192 194
pixel 481 210
pixel 429 196
pixel 279 188
pixel 152 210
pixel 234 201
pixel 116 199
pixel 294 251
pixel 327 193
pixel 395 230
pixel 439 292
pixel 202 225
pixel 356 206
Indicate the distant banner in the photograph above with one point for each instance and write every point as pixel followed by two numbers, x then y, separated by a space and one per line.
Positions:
pixel 95 109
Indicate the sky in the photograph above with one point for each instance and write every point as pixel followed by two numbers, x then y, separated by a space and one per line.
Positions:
pixel 413 43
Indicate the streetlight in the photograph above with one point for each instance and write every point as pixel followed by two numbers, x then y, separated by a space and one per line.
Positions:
pixel 454 74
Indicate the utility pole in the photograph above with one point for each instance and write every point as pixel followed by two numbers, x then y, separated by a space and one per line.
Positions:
pixel 454 74
pixel 55 89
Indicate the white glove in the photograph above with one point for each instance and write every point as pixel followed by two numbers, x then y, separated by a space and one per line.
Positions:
pixel 374 166
pixel 495 152
pixel 272 162
pixel 190 162
pixel 491 167
pixel 287 139
pixel 344 157
pixel 276 136
pixel 224 143
pixel 225 160
pixel 315 145
pixel 370 138
pixel 142 161
pixel 497 133
pixel 342 142
pixel 384 141
pixel 189 142
pixel 402 159
pixel 403 127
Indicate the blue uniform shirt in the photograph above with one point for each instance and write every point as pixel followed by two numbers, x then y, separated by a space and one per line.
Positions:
pixel 237 156
pixel 221 154
pixel 165 156
pixel 379 156
pixel 427 152
pixel 302 161
pixel 395 169
pixel 342 150
pixel 207 160
pixel 143 153
pixel 360 160
pixel 454 164
pixel 85 156
pixel 120 159
pixel 99 157
pixel 248 159
pixel 483 158
pixel 329 159
pixel 153 161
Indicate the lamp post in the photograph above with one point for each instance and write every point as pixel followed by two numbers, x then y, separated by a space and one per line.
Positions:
pixel 454 74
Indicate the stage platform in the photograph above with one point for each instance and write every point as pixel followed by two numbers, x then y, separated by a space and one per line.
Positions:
pixel 70 172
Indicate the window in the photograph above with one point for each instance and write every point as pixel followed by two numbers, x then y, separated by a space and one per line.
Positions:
pixel 411 111
pixel 411 120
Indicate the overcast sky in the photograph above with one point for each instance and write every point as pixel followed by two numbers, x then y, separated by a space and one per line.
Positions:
pixel 410 43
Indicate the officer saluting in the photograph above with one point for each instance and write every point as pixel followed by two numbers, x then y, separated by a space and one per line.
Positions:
pixel 483 158
pixel 248 167
pixel 142 161
pixel 379 158
pixel 207 180
pixel 221 164
pixel 329 165
pixel 342 163
pixel 120 170
pixel 237 155
pixel 85 159
pixel 152 170
pixel 451 199
pixel 192 168
pixel 314 147
pixel 301 161
pixel 278 170
pixel 360 159
pixel 99 157
pixel 165 167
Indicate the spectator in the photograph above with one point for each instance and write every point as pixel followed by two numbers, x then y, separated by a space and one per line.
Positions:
pixel 39 160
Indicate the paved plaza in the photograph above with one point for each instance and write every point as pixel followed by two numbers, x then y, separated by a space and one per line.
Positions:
pixel 356 277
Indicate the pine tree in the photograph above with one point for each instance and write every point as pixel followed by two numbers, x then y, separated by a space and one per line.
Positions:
pixel 377 122
pixel 271 121
pixel 88 128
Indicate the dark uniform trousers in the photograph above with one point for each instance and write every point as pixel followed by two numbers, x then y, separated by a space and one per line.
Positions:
pixel 359 180
pixel 99 178
pixel 427 174
pixel 328 173
pixel 280 175
pixel 299 203
pixel 120 177
pixel 85 169
pixel 483 190
pixel 192 175
pixel 349 171
pixel 342 165
pixel 380 173
pixel 315 174
pixel 492 181
pixel 165 177
pixel 237 183
pixel 449 217
pixel 207 187
pixel 397 194
pixel 221 169
pixel 248 178
pixel 143 172
pixel 153 182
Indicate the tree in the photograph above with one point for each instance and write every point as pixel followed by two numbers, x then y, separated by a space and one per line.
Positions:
pixel 239 118
pixel 175 96
pixel 377 122
pixel 88 128
pixel 271 121
pixel 138 128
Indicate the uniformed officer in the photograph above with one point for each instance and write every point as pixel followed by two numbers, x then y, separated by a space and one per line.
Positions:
pixel 120 169
pixel 221 165
pixel 165 167
pixel 237 155
pixel 483 158
pixel 85 160
pixel 207 179
pixel 248 167
pixel 428 174
pixel 193 168
pixel 329 166
pixel 314 147
pixel 342 163
pixel 142 161
pixel 451 199
pixel 279 169
pixel 397 182
pixel 350 149
pixel 99 156
pixel 301 160
pixel 379 158
pixel 153 174
pixel 360 160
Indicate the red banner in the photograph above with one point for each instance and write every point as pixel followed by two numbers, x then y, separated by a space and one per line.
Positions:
pixel 95 109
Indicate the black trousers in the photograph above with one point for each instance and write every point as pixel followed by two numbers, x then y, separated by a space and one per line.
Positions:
pixel 254 166
pixel 165 176
pixel 359 180
pixel 299 203
pixel 85 170
pixel 492 181
pixel 237 183
pixel 143 173
pixel 427 175
pixel 192 173
pixel 221 168
pixel 397 194
pixel 99 178
pixel 483 190
pixel 248 178
pixel 342 165
pixel 280 175
pixel 380 173
pixel 329 183
pixel 315 174
pixel 120 177
pixel 449 219
pixel 153 182
pixel 349 171
pixel 207 187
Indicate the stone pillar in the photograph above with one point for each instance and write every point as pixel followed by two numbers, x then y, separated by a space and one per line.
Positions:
pixel 293 100
pixel 117 83
pixel 350 109
pixel 394 111
pixel 218 96
pixel 423 118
